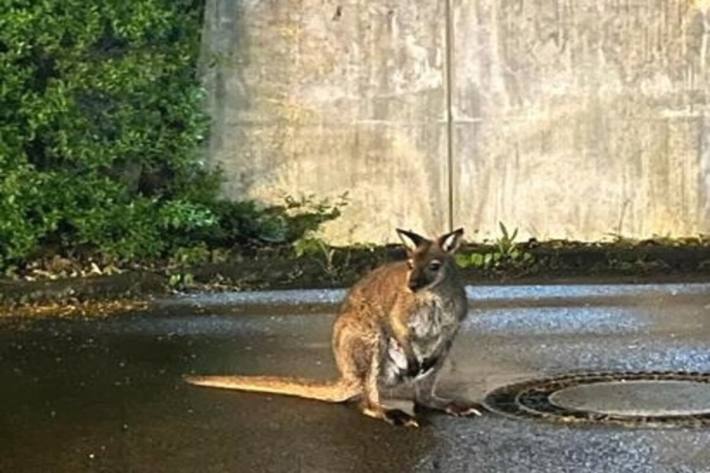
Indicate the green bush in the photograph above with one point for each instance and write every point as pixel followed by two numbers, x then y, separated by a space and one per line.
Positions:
pixel 100 135
pixel 100 126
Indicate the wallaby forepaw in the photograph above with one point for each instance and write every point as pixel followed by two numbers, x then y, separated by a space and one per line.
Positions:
pixel 463 409
pixel 401 418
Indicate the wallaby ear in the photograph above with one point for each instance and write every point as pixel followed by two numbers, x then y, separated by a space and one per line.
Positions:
pixel 410 240
pixel 450 242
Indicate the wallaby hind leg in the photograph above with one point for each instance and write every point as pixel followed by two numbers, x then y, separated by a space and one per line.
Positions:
pixel 372 406
pixel 357 354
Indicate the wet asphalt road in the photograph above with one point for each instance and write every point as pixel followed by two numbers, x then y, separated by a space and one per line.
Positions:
pixel 106 395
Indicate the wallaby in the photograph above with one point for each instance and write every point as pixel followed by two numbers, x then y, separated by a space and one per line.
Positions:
pixel 395 326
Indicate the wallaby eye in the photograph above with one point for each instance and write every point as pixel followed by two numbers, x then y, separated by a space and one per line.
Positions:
pixel 435 265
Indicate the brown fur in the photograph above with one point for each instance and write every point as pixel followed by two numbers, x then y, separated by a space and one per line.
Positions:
pixel 395 326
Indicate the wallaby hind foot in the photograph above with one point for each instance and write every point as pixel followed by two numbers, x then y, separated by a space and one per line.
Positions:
pixel 391 416
pixel 452 407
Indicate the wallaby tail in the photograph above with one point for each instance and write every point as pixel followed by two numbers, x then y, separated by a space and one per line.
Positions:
pixel 329 391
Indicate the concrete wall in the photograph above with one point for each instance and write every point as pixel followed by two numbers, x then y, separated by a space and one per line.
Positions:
pixel 576 118
pixel 565 118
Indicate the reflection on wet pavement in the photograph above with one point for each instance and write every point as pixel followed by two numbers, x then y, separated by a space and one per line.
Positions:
pixel 106 394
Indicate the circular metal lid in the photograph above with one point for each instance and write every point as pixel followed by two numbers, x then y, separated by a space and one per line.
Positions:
pixel 637 398
pixel 634 399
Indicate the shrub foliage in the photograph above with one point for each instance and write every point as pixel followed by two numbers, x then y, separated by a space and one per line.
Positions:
pixel 100 134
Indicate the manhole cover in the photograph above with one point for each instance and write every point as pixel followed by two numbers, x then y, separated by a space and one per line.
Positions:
pixel 655 399
pixel 637 398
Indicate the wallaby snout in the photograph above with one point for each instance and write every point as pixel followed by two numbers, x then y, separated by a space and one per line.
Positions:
pixel 417 280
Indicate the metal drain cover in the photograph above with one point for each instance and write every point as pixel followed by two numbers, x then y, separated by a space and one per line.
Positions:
pixel 637 398
pixel 653 399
